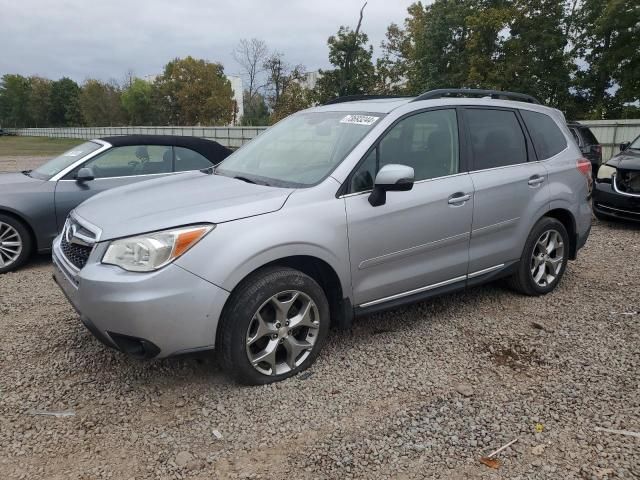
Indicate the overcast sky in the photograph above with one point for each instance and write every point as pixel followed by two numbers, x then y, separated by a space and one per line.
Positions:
pixel 104 39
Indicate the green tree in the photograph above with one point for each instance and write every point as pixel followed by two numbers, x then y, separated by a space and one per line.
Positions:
pixel 438 34
pixel 535 59
pixel 294 98
pixel 354 72
pixel 256 112
pixel 393 65
pixel 39 103
pixel 519 45
pixel 280 77
pixel 608 42
pixel 487 27
pixel 65 103
pixel 137 101
pixel 100 104
pixel 14 99
pixel 194 92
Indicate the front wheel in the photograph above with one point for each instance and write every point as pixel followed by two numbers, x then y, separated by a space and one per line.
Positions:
pixel 544 259
pixel 273 327
pixel 15 243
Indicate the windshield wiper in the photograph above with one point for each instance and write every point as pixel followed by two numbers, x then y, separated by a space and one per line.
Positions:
pixel 245 179
pixel 27 172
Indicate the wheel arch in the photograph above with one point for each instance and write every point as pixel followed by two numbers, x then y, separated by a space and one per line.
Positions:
pixel 565 217
pixel 341 310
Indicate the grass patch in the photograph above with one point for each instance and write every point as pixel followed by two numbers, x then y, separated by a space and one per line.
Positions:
pixel 36 146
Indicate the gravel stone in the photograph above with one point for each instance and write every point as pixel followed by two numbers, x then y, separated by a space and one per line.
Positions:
pixel 183 458
pixel 403 415
pixel 464 389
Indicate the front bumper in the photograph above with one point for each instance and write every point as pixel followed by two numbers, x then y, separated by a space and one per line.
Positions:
pixel 608 202
pixel 156 314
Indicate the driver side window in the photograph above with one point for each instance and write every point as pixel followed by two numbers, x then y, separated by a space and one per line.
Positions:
pixel 131 161
pixel 426 141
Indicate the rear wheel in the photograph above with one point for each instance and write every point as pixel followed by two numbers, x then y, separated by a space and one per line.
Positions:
pixel 15 243
pixel 544 259
pixel 273 327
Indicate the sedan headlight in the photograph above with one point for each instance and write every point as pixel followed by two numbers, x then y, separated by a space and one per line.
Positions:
pixel 151 251
pixel 605 172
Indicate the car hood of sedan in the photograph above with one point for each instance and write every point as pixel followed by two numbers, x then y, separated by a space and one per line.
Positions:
pixel 627 160
pixel 173 201
pixel 17 181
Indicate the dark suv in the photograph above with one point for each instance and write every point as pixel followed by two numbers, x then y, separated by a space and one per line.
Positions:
pixel 588 143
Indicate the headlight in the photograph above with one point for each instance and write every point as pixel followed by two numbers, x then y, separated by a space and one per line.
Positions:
pixel 605 172
pixel 152 251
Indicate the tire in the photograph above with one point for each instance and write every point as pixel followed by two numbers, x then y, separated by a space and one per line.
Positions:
pixel 523 280
pixel 15 243
pixel 278 294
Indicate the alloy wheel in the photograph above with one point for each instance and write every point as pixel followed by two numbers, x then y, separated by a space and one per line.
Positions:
pixel 547 258
pixel 282 333
pixel 10 244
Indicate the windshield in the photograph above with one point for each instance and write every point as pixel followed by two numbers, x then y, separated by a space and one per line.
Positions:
pixel 301 150
pixel 56 165
pixel 635 144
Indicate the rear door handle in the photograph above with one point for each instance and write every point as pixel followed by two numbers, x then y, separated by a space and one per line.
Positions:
pixel 459 198
pixel 535 180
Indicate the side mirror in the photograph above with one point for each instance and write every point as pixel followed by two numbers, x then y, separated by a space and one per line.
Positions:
pixel 391 178
pixel 85 174
pixel 624 146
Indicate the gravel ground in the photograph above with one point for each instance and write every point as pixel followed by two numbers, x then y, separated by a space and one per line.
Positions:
pixel 420 392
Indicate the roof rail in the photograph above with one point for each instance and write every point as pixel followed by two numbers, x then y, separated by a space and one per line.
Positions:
pixel 496 94
pixel 356 98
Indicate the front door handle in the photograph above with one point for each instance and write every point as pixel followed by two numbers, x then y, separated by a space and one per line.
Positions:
pixel 535 180
pixel 459 198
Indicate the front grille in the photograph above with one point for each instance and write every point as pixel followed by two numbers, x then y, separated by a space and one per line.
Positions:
pixel 628 181
pixel 76 254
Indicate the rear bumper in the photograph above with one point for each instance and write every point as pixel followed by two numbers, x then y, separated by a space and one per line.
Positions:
pixel 608 202
pixel 157 314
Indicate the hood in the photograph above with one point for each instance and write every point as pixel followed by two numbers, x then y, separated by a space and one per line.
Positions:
pixel 178 200
pixel 17 181
pixel 627 160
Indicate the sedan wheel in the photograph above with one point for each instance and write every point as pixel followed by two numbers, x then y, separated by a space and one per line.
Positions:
pixel 11 245
pixel 282 333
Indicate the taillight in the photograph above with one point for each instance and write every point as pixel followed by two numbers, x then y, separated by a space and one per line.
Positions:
pixel 584 166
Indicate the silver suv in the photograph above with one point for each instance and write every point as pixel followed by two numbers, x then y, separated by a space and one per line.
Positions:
pixel 338 211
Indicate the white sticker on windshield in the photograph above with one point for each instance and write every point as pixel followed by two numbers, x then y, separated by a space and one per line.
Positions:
pixel 73 153
pixel 359 119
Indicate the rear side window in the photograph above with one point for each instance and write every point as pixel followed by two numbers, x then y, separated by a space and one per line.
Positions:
pixel 547 137
pixel 187 159
pixel 497 139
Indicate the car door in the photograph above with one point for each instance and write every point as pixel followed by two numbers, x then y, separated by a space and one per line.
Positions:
pixel 115 167
pixel 510 187
pixel 419 239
